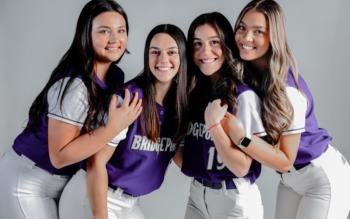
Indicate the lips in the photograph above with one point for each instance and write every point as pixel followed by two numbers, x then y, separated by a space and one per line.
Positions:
pixel 164 68
pixel 208 61
pixel 247 47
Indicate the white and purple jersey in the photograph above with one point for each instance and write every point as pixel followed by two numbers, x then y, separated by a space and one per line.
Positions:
pixel 200 158
pixel 73 110
pixel 138 165
pixel 314 140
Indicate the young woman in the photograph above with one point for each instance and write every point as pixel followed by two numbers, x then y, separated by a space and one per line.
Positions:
pixel 63 118
pixel 315 177
pixel 223 176
pixel 138 164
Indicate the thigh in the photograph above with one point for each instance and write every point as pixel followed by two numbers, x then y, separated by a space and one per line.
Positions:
pixel 134 213
pixel 287 202
pixel 196 207
pixel 336 170
pixel 30 191
pixel 74 202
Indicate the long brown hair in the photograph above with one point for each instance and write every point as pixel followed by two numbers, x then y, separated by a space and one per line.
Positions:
pixel 222 84
pixel 276 110
pixel 78 61
pixel 177 93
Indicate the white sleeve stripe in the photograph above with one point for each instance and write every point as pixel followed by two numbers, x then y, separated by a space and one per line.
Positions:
pixel 293 131
pixel 260 134
pixel 66 120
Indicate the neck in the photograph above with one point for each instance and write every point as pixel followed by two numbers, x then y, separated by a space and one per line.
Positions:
pixel 161 90
pixel 261 64
pixel 101 69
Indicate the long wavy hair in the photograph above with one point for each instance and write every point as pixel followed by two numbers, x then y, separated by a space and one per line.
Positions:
pixel 276 110
pixel 177 93
pixel 223 83
pixel 79 61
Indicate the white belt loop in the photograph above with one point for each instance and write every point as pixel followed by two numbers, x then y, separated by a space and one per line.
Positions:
pixel 224 189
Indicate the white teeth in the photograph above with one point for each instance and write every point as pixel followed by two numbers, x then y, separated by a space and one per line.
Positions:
pixel 207 60
pixel 112 49
pixel 247 47
pixel 161 68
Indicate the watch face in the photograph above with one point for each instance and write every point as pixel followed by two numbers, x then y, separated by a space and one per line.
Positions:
pixel 245 142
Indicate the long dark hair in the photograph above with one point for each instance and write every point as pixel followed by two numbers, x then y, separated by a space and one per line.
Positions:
pixel 177 93
pixel 78 61
pixel 221 84
pixel 270 85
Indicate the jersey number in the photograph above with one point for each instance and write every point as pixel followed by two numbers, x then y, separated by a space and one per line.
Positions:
pixel 220 164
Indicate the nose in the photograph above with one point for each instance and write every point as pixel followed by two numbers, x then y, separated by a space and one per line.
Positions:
pixel 163 57
pixel 206 48
pixel 112 37
pixel 248 36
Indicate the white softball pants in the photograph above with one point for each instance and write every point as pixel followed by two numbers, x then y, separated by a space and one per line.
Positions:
pixel 241 203
pixel 74 202
pixel 27 191
pixel 320 190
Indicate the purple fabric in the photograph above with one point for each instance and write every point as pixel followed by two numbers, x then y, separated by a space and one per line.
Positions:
pixel 314 141
pixel 34 145
pixel 199 157
pixel 138 165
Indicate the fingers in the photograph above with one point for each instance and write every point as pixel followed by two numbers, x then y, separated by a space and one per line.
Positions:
pixel 126 98
pixel 134 100
pixel 113 102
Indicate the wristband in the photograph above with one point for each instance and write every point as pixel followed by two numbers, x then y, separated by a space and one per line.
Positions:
pixel 213 126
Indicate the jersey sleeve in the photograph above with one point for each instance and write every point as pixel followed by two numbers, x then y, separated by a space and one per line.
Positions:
pixel 248 112
pixel 299 104
pixel 74 107
pixel 121 136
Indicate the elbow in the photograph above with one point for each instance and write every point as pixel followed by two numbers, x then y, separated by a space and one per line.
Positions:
pixel 242 172
pixel 57 162
pixel 284 167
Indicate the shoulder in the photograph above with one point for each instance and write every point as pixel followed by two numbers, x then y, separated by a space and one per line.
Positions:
pixel 244 92
pixel 133 88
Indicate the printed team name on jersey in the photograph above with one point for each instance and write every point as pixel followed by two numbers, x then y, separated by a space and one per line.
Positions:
pixel 198 130
pixel 142 143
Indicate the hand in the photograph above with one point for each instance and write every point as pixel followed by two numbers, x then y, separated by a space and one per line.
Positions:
pixel 121 117
pixel 233 127
pixel 214 112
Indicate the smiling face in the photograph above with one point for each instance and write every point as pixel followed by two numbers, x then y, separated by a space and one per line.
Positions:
pixel 164 58
pixel 109 36
pixel 207 51
pixel 252 37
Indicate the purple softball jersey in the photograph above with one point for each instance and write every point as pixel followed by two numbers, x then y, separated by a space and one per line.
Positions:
pixel 200 158
pixel 314 140
pixel 34 144
pixel 138 165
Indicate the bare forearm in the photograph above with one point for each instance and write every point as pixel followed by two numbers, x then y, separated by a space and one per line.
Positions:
pixel 271 156
pixel 97 184
pixel 81 147
pixel 234 159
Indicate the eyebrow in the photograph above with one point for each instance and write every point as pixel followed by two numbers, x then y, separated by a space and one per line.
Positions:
pixel 154 47
pixel 108 27
pixel 212 37
pixel 259 27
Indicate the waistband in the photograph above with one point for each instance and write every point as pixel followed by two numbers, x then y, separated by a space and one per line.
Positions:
pixel 217 185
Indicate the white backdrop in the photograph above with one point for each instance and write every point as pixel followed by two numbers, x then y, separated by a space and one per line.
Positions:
pixel 35 34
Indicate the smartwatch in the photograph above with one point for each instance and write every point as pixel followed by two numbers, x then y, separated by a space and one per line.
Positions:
pixel 244 142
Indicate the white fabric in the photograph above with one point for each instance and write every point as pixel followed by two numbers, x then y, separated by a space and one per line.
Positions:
pixel 121 136
pixel 74 202
pixel 248 112
pixel 241 203
pixel 74 107
pixel 299 104
pixel 27 191
pixel 319 190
